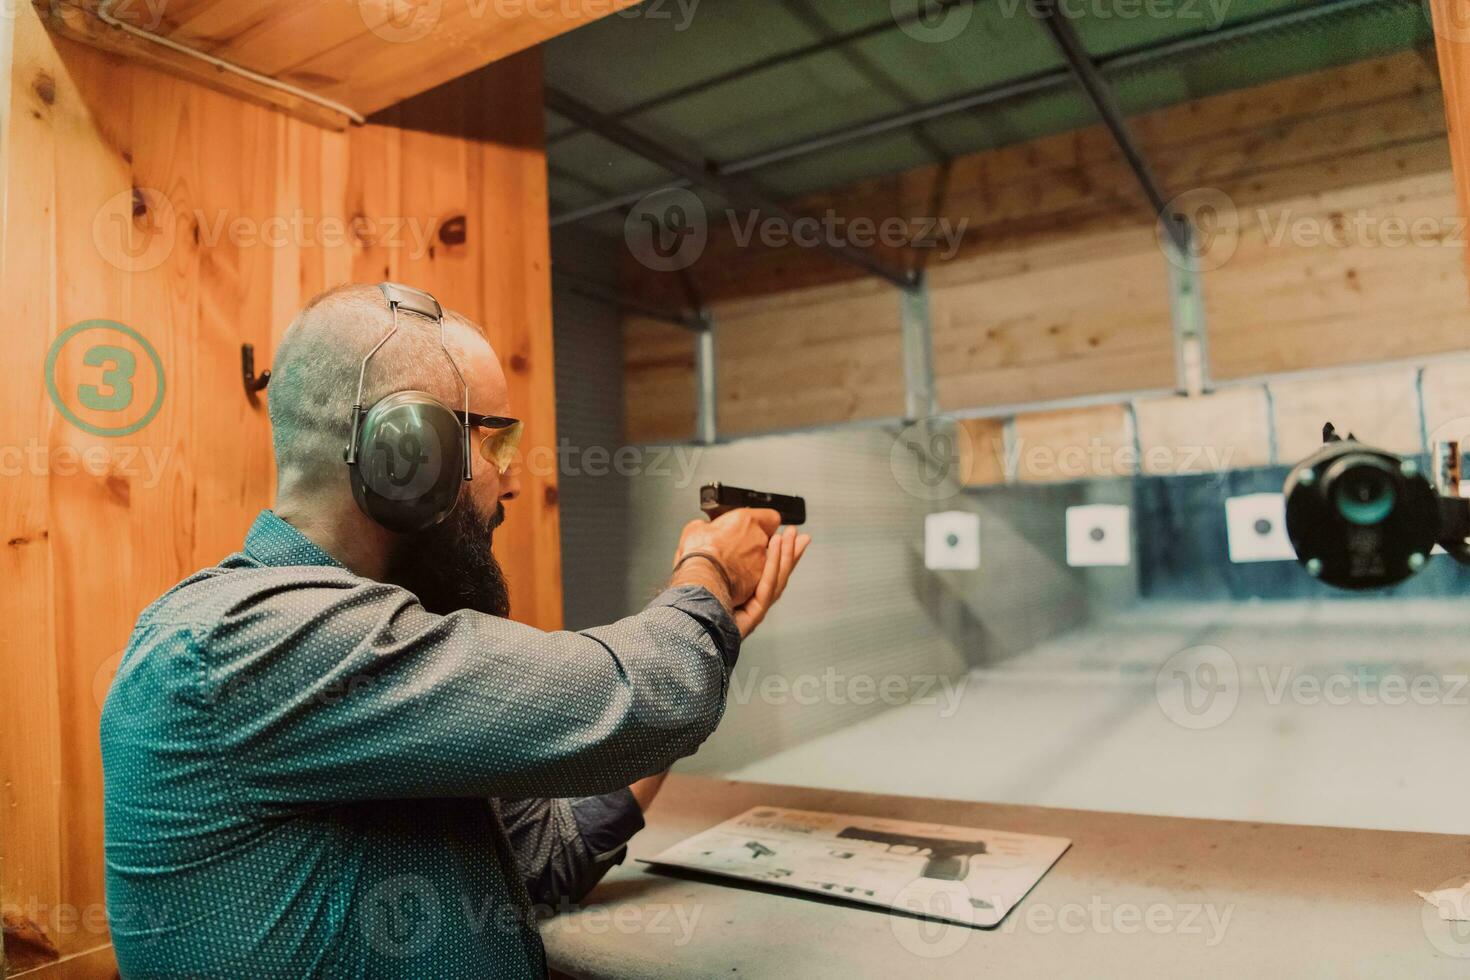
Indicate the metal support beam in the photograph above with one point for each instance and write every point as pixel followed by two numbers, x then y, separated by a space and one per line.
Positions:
pixel 1187 313
pixel 738 190
pixel 702 323
pixel 870 70
pixel 836 137
pixel 608 296
pixel 573 215
pixel 1130 59
pixel 919 400
pixel 705 411
pixel 903 119
pixel 924 11
pixel 1100 94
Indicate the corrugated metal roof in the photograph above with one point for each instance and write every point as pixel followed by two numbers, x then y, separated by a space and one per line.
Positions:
pixel 726 80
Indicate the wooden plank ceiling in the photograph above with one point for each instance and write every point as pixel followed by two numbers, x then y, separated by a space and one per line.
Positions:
pixel 364 54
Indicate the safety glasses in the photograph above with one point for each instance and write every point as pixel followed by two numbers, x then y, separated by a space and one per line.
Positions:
pixel 502 436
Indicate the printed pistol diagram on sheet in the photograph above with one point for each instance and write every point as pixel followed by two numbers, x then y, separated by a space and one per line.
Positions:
pixel 958 874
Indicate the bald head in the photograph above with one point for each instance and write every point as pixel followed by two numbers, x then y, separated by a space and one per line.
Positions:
pixel 314 376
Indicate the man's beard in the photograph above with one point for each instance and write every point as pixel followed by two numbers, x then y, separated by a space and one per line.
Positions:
pixel 450 567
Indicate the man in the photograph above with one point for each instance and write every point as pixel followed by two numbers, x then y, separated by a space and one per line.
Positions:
pixel 332 754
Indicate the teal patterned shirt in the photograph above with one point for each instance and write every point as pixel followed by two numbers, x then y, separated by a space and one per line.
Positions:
pixel 308 774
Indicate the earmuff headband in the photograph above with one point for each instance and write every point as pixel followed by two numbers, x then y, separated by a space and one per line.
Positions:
pixel 421 303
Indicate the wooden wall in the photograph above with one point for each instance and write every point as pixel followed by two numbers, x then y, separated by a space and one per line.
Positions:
pixel 1345 246
pixel 1403 408
pixel 94 527
pixel 1452 45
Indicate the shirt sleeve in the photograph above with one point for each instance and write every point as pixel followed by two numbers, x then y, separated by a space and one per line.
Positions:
pixel 356 692
pixel 564 847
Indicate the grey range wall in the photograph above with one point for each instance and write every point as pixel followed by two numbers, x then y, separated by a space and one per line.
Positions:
pixel 594 500
pixel 863 610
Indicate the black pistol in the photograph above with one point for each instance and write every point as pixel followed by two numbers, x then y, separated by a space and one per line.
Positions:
pixel 949 860
pixel 717 498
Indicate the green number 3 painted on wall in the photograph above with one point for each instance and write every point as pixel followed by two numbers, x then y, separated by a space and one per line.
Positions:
pixel 113 388
pixel 119 365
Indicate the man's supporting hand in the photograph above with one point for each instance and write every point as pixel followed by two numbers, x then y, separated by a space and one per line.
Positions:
pixel 783 551
pixel 738 541
pixel 756 561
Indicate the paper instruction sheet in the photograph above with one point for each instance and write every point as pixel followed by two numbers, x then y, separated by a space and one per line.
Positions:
pixel 957 874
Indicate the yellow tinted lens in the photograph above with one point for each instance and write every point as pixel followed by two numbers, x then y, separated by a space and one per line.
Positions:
pixel 499 447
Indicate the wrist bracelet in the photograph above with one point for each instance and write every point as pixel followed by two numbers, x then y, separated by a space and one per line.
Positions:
pixel 720 568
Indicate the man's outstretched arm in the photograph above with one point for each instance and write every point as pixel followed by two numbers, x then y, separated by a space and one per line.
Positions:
pixel 564 847
pixel 369 696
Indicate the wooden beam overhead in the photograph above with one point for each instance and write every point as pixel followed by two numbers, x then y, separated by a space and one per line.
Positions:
pixel 363 55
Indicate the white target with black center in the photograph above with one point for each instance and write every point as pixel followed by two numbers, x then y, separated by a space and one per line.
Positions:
pixel 1099 534
pixel 952 540
pixel 1256 527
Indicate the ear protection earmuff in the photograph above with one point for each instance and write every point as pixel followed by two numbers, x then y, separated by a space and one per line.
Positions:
pixel 409 453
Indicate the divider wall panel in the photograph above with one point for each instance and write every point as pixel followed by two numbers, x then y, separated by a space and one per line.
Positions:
pixel 197 222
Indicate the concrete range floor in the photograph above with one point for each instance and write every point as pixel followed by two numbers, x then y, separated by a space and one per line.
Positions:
pixel 1350 713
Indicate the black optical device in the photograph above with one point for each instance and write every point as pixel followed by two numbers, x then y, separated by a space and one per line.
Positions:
pixel 1363 518
pixel 717 498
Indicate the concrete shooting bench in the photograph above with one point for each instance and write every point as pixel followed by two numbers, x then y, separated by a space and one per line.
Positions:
pixel 1135 896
